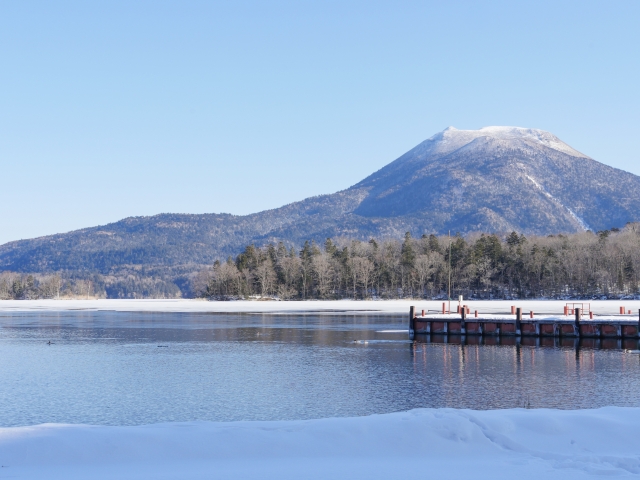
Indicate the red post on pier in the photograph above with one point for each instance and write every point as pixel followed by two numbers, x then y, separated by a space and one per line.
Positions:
pixel 629 312
pixel 621 310
pixel 590 315
pixel 476 313
pixel 531 314
pixel 566 310
pixel 423 313
pixel 444 307
pixel 513 310
pixel 458 309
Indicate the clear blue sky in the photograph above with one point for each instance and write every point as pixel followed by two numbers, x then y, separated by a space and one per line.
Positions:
pixel 114 109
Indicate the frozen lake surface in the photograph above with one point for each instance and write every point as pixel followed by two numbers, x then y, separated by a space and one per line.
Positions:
pixel 335 307
pixel 133 368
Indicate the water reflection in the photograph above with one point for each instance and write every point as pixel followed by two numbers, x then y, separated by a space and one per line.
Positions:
pixel 107 368
pixel 554 342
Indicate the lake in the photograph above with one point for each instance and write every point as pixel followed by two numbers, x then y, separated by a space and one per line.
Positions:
pixel 118 368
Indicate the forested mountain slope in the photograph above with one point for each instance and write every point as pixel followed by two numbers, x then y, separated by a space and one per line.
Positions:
pixel 496 179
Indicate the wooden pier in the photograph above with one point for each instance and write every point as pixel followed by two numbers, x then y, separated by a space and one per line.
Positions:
pixel 461 323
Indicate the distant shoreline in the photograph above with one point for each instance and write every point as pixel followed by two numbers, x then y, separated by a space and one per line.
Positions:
pixel 352 307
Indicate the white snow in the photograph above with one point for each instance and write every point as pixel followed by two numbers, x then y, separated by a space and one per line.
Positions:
pixel 418 444
pixel 452 139
pixel 580 221
pixel 328 307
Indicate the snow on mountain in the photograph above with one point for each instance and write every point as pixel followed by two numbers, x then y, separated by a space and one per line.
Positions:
pixel 452 139
pixel 495 179
pixel 481 180
pixel 582 223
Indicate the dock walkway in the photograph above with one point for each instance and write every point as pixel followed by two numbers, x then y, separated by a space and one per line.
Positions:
pixel 462 323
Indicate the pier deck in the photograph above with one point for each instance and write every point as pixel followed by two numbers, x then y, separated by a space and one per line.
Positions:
pixel 609 326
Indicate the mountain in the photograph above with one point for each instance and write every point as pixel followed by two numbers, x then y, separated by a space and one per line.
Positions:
pixel 496 179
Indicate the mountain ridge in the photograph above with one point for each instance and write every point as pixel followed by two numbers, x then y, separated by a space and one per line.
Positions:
pixel 495 179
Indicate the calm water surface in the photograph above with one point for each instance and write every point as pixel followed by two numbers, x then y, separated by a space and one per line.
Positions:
pixel 134 368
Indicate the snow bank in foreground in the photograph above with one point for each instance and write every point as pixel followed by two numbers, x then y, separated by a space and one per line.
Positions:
pixel 426 443
pixel 550 307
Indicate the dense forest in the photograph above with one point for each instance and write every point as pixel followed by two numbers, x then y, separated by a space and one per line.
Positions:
pixel 605 264
pixel 585 265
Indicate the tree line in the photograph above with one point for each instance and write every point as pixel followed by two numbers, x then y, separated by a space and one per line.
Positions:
pixel 605 264
pixel 17 286
pixel 65 285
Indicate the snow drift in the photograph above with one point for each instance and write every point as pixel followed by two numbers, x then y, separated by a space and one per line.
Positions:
pixel 425 443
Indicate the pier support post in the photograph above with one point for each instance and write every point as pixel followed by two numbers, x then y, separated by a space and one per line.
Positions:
pixel 577 322
pixel 463 317
pixel 412 321
pixel 518 320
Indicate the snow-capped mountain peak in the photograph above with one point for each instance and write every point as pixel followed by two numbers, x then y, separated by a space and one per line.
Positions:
pixel 451 139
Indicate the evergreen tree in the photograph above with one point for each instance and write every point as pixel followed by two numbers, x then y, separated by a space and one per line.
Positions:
pixel 408 254
pixel 248 259
pixel 513 240
pixel 330 248
pixel 306 254
pixel 434 244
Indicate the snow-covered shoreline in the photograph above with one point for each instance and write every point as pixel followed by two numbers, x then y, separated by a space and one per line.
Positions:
pixel 540 307
pixel 424 443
